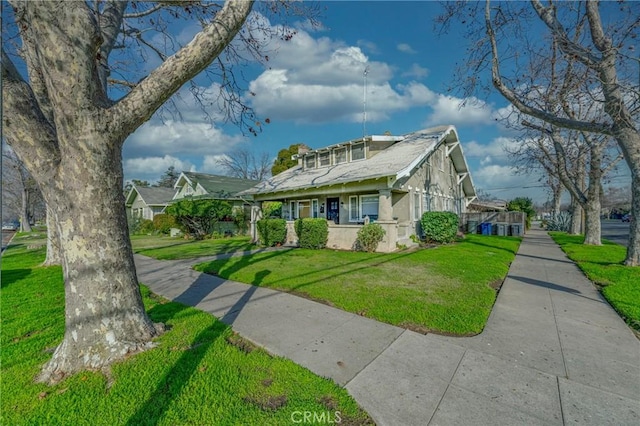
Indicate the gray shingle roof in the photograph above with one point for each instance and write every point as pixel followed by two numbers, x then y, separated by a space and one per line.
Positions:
pixel 154 196
pixel 220 185
pixel 398 160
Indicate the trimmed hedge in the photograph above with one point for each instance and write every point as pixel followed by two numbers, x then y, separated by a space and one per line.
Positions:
pixel 312 233
pixel 369 236
pixel 272 231
pixel 439 227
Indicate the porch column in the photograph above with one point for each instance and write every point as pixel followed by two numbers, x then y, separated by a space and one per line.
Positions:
pixel 385 210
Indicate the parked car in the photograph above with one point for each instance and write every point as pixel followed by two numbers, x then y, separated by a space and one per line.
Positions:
pixel 626 218
pixel 10 226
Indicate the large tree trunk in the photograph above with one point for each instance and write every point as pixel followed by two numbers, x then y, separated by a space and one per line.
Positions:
pixel 53 241
pixel 25 226
pixel 105 317
pixel 576 217
pixel 592 232
pixel 70 136
pixel 633 250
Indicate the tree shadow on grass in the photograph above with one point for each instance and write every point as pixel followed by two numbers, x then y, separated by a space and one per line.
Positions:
pixel 12 275
pixel 170 386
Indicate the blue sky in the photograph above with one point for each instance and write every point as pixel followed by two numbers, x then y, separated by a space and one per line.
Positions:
pixel 312 92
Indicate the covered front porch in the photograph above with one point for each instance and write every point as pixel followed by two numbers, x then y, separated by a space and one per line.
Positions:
pixel 346 213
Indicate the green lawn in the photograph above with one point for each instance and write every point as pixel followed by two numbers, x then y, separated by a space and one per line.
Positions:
pixel 200 373
pixel 167 248
pixel 447 289
pixel 603 265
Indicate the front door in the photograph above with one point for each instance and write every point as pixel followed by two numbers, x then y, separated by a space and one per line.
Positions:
pixel 333 210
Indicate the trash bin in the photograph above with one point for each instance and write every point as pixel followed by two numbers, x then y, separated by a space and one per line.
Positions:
pixel 502 229
pixel 486 228
pixel 472 227
pixel 516 229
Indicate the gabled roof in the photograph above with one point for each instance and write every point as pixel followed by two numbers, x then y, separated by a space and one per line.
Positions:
pixel 398 160
pixel 152 196
pixel 215 185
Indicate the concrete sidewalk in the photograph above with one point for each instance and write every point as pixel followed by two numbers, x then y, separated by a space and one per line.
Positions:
pixel 553 351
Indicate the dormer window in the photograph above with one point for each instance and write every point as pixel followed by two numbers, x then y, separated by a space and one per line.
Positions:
pixel 324 159
pixel 357 151
pixel 310 161
pixel 340 155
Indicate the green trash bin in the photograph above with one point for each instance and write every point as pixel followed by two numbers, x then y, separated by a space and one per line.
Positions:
pixel 472 227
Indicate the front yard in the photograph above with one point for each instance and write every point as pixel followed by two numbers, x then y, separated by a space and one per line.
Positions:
pixel 201 373
pixel 619 284
pixel 168 248
pixel 447 289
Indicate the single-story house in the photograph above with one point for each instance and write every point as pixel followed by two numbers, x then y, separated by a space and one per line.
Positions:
pixel 206 186
pixel 146 202
pixel 391 180
pixel 202 186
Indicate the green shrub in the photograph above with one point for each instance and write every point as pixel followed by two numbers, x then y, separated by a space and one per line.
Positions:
pixel 199 217
pixel 146 227
pixel 272 209
pixel 164 222
pixel 369 236
pixel 272 231
pixel 312 233
pixel 240 218
pixel 522 204
pixel 439 227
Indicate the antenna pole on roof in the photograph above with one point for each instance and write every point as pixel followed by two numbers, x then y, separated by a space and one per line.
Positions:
pixel 364 103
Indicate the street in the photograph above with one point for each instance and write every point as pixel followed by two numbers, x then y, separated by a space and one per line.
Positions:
pixel 6 237
pixel 616 231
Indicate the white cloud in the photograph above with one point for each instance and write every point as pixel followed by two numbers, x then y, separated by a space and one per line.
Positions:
pixel 452 110
pixel 210 164
pixel 178 137
pixel 152 168
pixel 495 148
pixel 405 48
pixel 416 71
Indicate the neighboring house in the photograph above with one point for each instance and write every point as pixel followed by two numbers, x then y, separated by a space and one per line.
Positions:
pixel 146 202
pixel 202 186
pixel 206 186
pixel 391 180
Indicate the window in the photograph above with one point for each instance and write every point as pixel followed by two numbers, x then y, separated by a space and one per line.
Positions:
pixel 363 206
pixel 427 202
pixel 354 211
pixel 369 206
pixel 340 155
pixel 416 206
pixel 310 161
pixel 304 209
pixel 188 190
pixel 314 208
pixel 357 152
pixel 324 158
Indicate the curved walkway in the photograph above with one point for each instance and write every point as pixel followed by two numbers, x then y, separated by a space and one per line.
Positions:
pixel 553 351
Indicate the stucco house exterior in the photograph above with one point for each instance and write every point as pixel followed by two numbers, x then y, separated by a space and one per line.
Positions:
pixel 391 180
pixel 146 202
